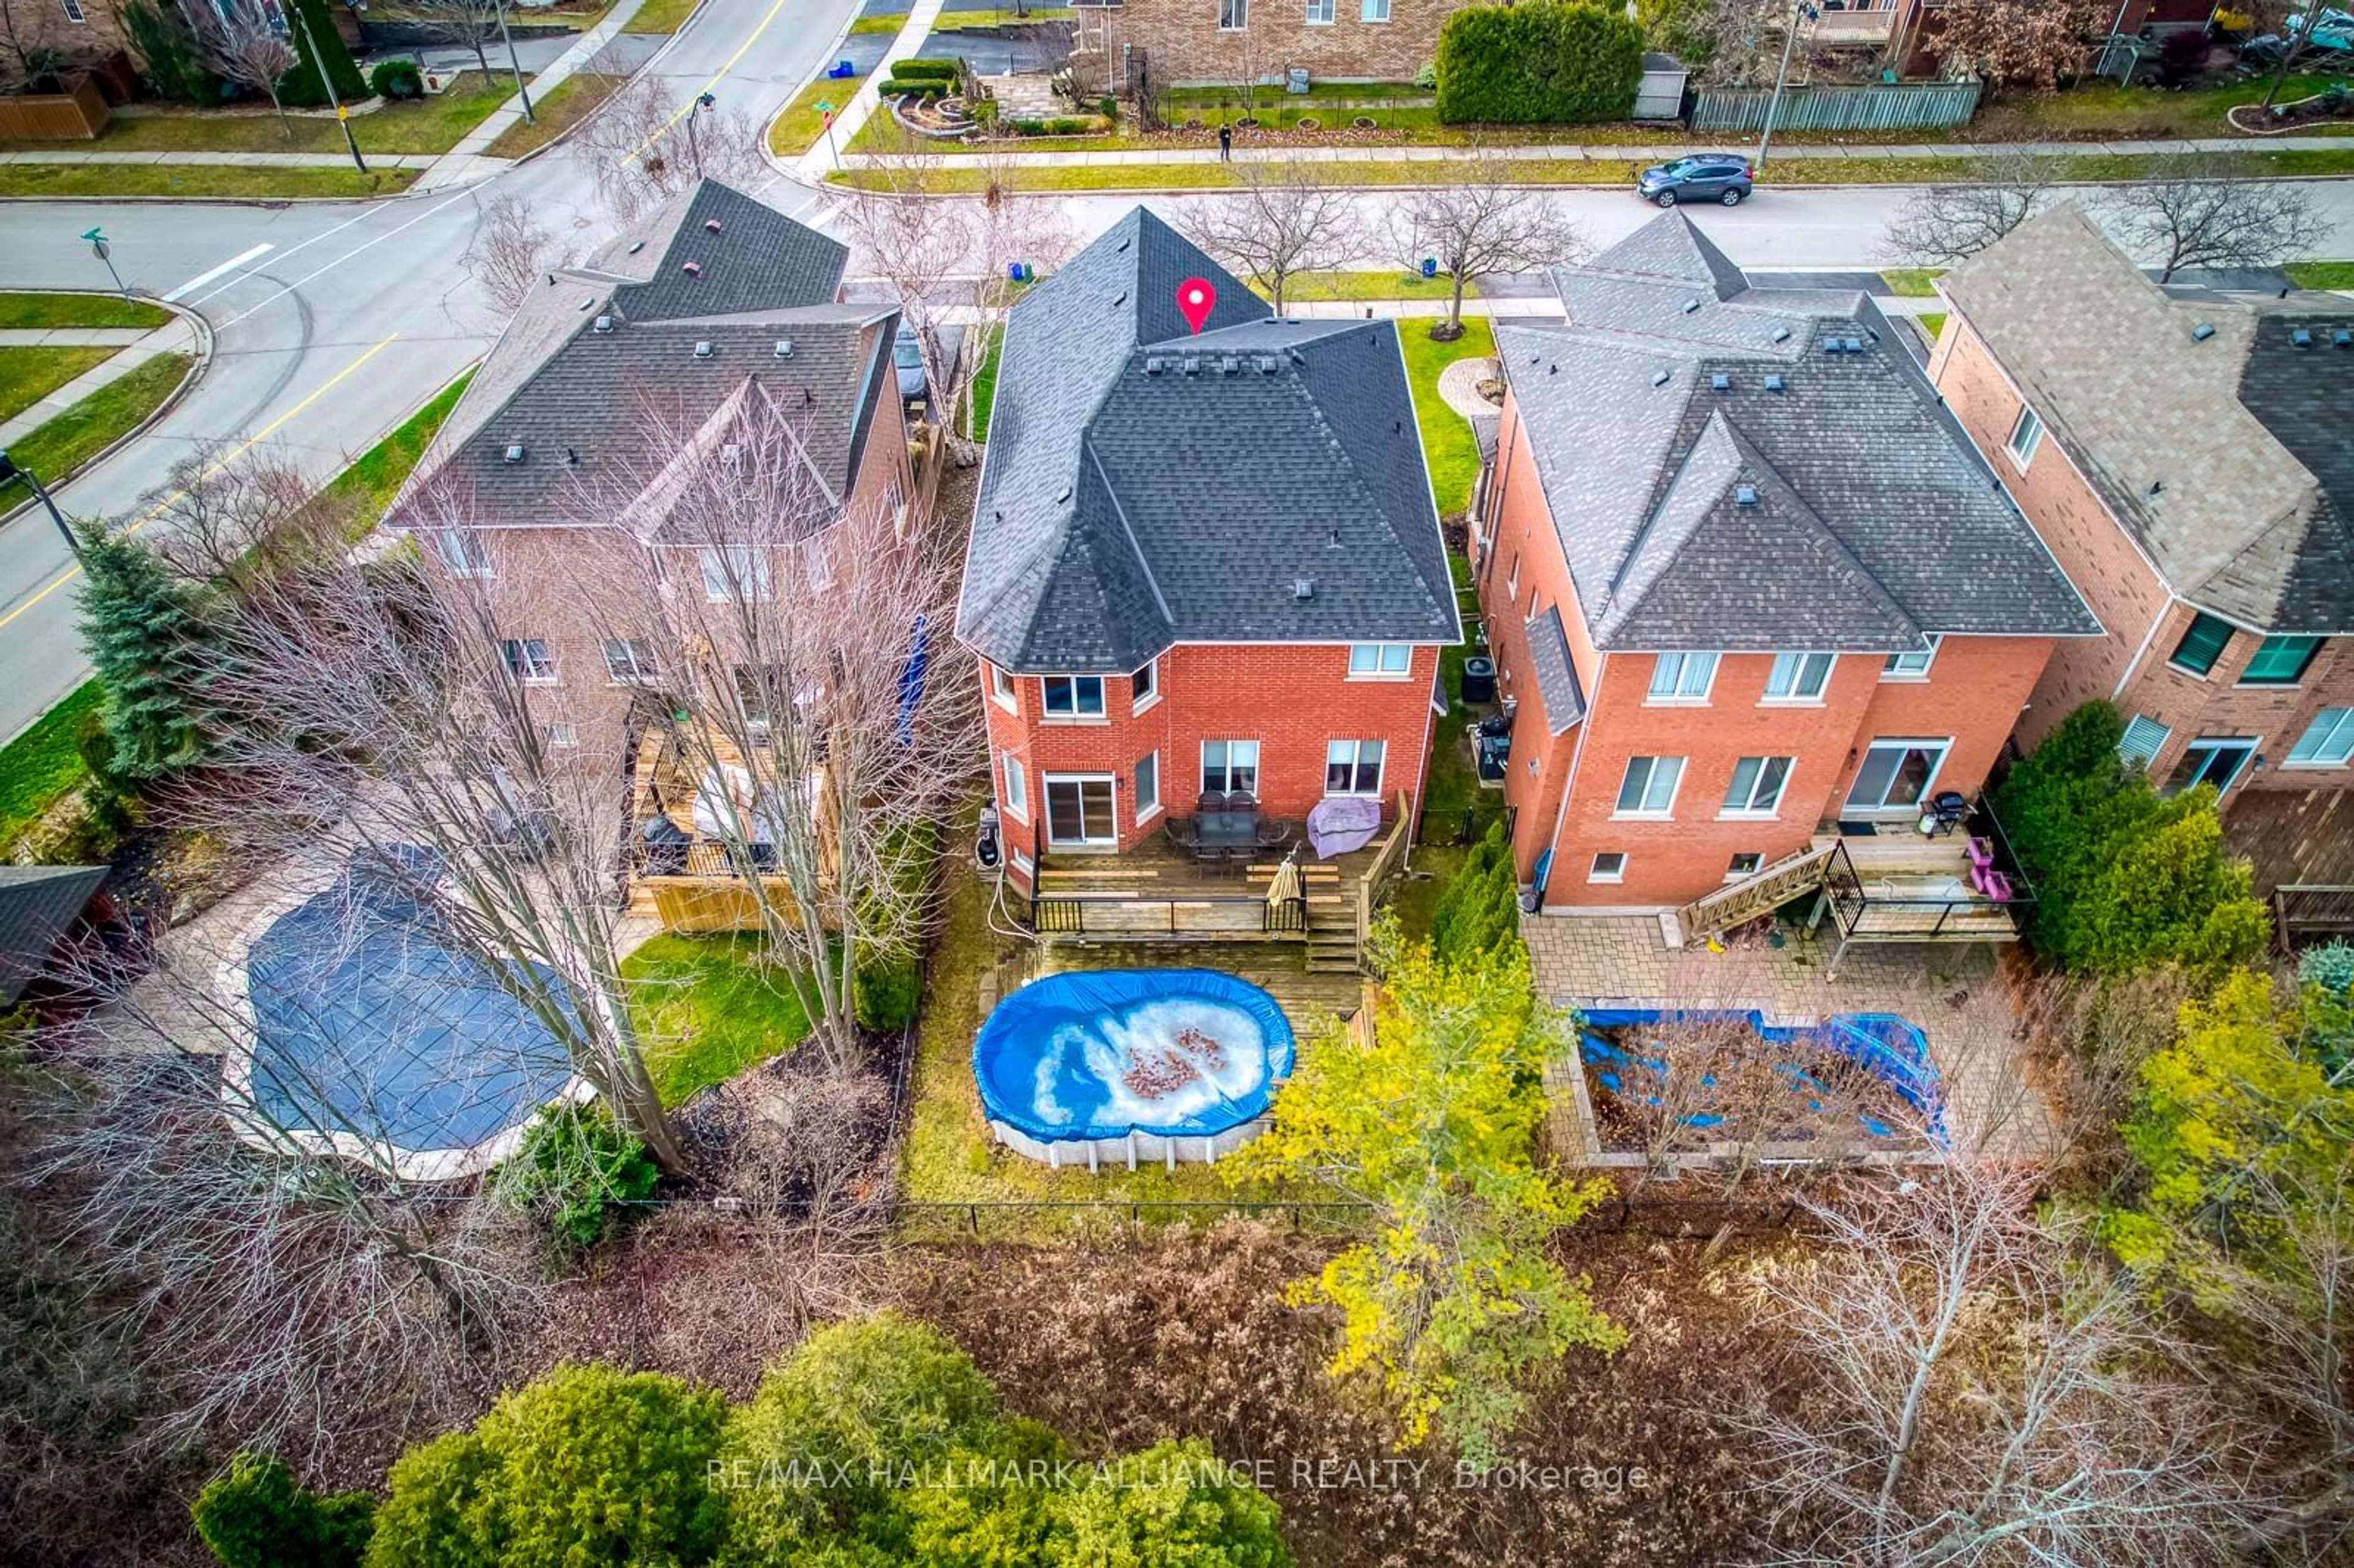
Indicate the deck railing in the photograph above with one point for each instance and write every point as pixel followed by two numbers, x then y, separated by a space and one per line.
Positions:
pixel 2311 909
pixel 1127 915
pixel 1387 858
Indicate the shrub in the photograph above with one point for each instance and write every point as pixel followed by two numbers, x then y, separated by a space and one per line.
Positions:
pixel 1479 912
pixel 1108 107
pixel 2181 56
pixel 259 1516
pixel 396 79
pixel 578 1171
pixel 1543 63
pixel 1426 75
pixel 1068 127
pixel 887 992
pixel 587 1465
pixel 308 22
pixel 920 67
pixel 1684 29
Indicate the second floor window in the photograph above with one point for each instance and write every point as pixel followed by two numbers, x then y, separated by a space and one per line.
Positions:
pixel 1233 15
pixel 2328 741
pixel 1798 677
pixel 628 660
pixel 2203 641
pixel 1681 677
pixel 2280 661
pixel 1756 788
pixel 463 553
pixel 1374 11
pixel 2026 435
pixel 1319 13
pixel 528 659
pixel 1001 686
pixel 734 572
pixel 1380 661
pixel 1910 667
pixel 1649 788
pixel 1073 696
pixel 1144 688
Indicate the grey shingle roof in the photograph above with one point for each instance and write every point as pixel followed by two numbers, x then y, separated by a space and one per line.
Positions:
pixel 1144 487
pixel 1557 683
pixel 581 401
pixel 2226 456
pixel 38 905
pixel 1870 521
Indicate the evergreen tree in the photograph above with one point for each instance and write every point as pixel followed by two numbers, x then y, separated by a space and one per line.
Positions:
pixel 259 1516
pixel 310 23
pixel 143 628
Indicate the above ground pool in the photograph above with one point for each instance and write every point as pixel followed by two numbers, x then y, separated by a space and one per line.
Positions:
pixel 1891 1049
pixel 1103 1055
pixel 368 1022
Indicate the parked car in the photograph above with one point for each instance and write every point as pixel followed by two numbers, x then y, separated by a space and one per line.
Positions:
pixel 908 359
pixel 1706 178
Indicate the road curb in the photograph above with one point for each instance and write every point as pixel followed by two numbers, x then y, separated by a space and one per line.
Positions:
pixel 204 357
pixel 789 171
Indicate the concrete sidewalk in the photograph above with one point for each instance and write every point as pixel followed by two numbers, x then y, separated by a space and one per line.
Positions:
pixel 813 166
pixel 465 163
pixel 1617 153
pixel 137 347
pixel 229 160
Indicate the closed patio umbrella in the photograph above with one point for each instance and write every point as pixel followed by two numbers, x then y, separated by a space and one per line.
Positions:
pixel 1284 894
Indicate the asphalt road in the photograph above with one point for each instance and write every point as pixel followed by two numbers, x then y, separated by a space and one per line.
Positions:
pixel 332 321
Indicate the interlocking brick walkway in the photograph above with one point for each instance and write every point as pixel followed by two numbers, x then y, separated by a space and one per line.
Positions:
pixel 1954 993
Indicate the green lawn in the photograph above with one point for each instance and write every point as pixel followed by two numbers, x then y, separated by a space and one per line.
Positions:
pixel 1933 323
pixel 575 98
pixel 246 183
pixel 54 449
pixel 708 1007
pixel 32 313
pixel 1912 282
pixel 433 124
pixel 984 387
pixel 43 763
pixel 2104 109
pixel 979 21
pixel 376 476
pixel 1447 443
pixel 1303 286
pixel 660 17
pixel 2321 274
pixel 873 26
pixel 797 130
pixel 29 375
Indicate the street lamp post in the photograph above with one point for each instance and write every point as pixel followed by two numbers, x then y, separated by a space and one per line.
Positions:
pixel 1804 12
pixel 695 147
pixel 515 65
pixel 105 253
pixel 327 80
pixel 9 471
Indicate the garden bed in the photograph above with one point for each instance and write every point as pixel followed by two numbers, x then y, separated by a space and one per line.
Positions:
pixel 2333 106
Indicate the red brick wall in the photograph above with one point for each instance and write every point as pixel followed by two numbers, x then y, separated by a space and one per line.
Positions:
pixel 1292 700
pixel 1971 696
pixel 1185 47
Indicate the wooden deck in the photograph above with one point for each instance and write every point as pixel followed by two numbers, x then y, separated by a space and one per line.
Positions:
pixel 708 895
pixel 1311 999
pixel 1907 888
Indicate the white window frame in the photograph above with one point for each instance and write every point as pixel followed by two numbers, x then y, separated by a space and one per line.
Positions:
pixel 1149 678
pixel 1355 762
pixel 2136 756
pixel 1753 810
pixel 1014 798
pixel 1380 660
pixel 1148 766
pixel 462 553
pixel 1944 749
pixel 1650 779
pixel 1735 871
pixel 1512 578
pixel 515 651
pixel 1794 665
pixel 1677 669
pixel 1047 782
pixel 1320 13
pixel 561 736
pixel 2026 438
pixel 636 667
pixel 1233 15
pixel 2247 744
pixel 2324 732
pixel 817 563
pixel 75 13
pixel 1000 690
pixel 1617 872
pixel 1901 666
pixel 729 567
pixel 1075 714
pixel 1374 11
pixel 1227 768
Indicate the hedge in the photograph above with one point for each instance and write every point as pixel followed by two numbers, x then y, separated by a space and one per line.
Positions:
pixel 1538 64
pixel 921 69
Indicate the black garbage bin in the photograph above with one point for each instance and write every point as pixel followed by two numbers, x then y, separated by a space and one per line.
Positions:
pixel 1479 680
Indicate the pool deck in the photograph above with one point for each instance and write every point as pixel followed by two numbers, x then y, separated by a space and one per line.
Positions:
pixel 1956 994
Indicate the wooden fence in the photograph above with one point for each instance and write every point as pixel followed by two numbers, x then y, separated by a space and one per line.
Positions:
pixel 77 114
pixel 1891 107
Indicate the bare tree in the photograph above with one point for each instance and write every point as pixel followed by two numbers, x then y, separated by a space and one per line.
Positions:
pixel 512 250
pixel 214 520
pixel 1250 57
pixel 799 640
pixel 1282 222
pixel 1479 225
pixel 242 46
pixel 925 244
pixel 1942 225
pixel 641 153
pixel 2215 209
pixel 2291 23
pixel 1974 1398
pixel 2092 1037
pixel 2021 44
pixel 467 24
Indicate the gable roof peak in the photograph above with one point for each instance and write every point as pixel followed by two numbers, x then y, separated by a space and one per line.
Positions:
pixel 1672 247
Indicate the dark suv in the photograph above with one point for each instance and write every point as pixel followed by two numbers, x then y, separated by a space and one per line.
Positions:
pixel 1708 177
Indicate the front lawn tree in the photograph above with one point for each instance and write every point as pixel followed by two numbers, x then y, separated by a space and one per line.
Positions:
pixel 1283 222
pixel 2216 209
pixel 2019 45
pixel 1479 225
pixel 1939 225
pixel 465 24
pixel 145 628
pixel 1432 1126
pixel 240 46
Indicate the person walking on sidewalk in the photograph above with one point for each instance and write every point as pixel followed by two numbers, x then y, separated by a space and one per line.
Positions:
pixel 1226 143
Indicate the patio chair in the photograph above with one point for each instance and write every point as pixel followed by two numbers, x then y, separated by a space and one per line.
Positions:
pixel 1273 833
pixel 1184 834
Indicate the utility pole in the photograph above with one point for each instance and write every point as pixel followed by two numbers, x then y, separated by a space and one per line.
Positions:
pixel 327 80
pixel 1803 12
pixel 9 471
pixel 693 147
pixel 515 64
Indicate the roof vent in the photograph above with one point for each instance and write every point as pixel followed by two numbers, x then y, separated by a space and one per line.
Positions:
pixel 636 246
pixel 732 455
pixel 1119 299
pixel 1773 384
pixel 1781 335
pixel 572 457
pixel 2202 331
pixel 1659 378
pixel 1855 345
pixel 1720 382
pixel 1691 304
pixel 1744 495
pixel 1268 364
pixel 703 348
pixel 515 452
pixel 692 268
pixel 710 226
pixel 1833 345
pixel 1121 245
pixel 1303 588
pixel 1064 496
pixel 586 301
pixel 2301 337
pixel 1192 364
pixel 784 348
pixel 602 324
pixel 2341 338
pixel 1153 364
pixel 1229 366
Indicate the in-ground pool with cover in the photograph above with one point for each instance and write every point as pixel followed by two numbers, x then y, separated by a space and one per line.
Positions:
pixel 368 1019
pixel 1101 1054
pixel 1893 1049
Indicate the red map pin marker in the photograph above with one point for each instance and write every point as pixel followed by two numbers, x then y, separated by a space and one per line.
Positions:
pixel 1195 299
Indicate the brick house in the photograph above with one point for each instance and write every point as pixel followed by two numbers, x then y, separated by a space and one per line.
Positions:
pixel 1751 594
pixel 1212 43
pixel 665 336
pixel 56 36
pixel 2186 456
pixel 1200 564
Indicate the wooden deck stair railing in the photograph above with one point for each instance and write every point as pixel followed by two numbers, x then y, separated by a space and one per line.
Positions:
pixel 1760 893
pixel 1389 859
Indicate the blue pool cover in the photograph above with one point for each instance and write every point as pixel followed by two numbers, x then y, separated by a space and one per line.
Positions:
pixel 367 1020
pixel 1891 1049
pixel 1101 1054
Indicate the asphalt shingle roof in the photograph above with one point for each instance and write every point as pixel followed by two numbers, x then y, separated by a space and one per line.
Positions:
pixel 2225 457
pixel 1143 485
pixel 1725 473
pixel 38 905
pixel 1557 683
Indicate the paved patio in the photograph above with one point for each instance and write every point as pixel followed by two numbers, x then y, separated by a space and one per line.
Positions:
pixel 1954 993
